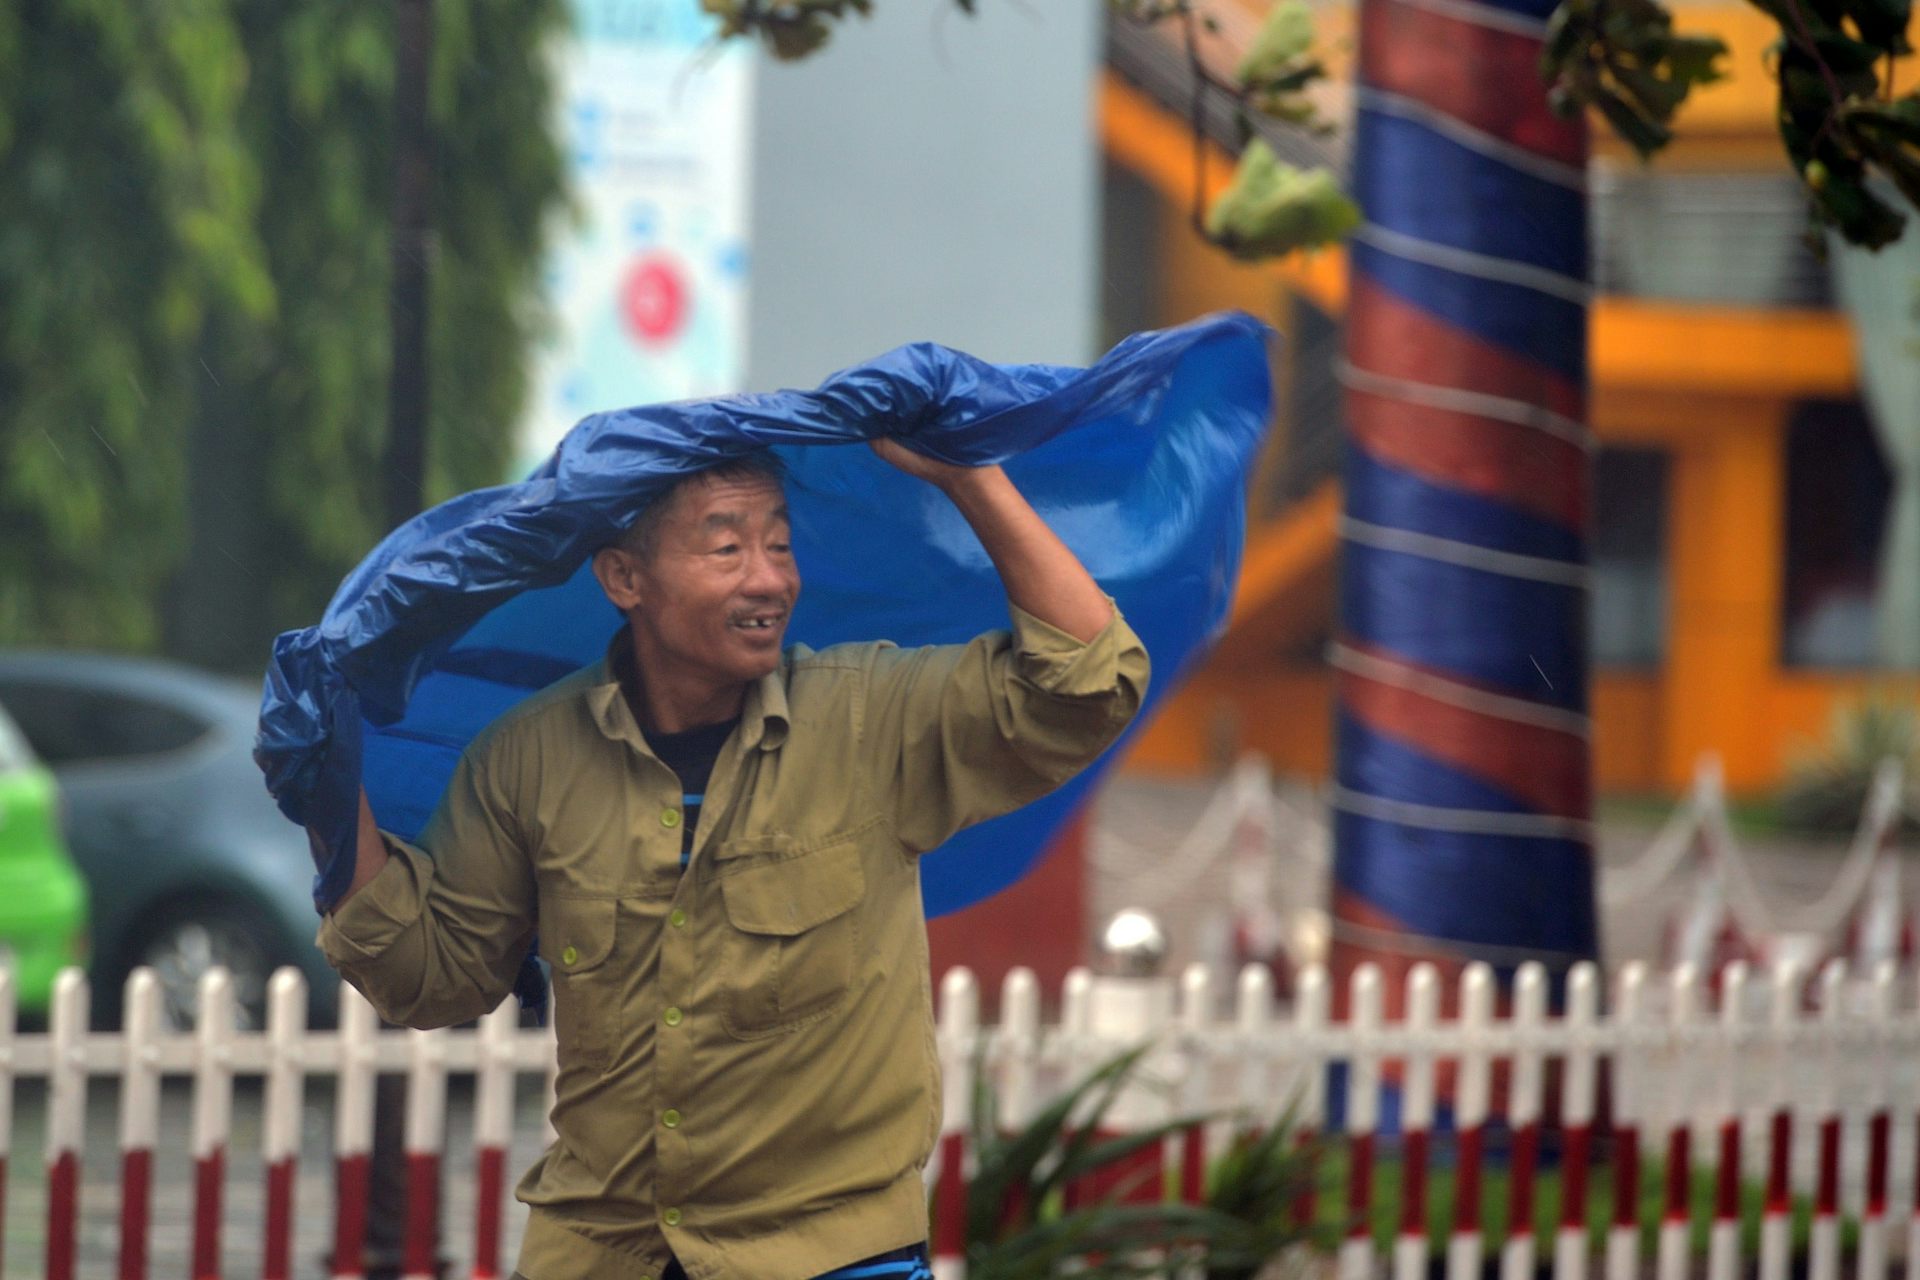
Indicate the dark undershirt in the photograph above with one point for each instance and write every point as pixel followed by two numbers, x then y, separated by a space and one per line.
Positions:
pixel 691 755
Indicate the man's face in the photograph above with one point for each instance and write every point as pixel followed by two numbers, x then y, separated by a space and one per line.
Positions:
pixel 716 590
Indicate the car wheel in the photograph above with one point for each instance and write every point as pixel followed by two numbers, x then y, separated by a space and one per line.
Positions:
pixel 186 945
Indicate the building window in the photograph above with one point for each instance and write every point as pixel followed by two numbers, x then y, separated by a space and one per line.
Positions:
pixel 1838 490
pixel 1629 557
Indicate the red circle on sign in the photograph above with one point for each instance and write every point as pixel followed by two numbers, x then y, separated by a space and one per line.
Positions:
pixel 654 299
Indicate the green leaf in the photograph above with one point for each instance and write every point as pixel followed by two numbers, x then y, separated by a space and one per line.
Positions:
pixel 1272 208
pixel 1285 37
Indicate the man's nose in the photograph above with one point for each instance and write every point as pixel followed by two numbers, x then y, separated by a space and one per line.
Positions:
pixel 766 574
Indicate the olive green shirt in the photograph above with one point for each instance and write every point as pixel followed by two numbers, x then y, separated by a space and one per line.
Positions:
pixel 747 1068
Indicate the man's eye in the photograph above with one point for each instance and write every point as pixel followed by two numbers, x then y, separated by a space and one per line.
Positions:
pixel 730 549
pixel 782 548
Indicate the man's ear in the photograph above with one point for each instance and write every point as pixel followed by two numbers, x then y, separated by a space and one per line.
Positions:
pixel 619 573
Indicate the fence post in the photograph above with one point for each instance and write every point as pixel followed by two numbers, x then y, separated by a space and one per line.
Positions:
pixel 1577 1091
pixel 280 1136
pixel 1523 1116
pixel 1682 1010
pixel 1416 1121
pixel 1824 1238
pixel 1019 1041
pixel 139 1118
pixel 353 1134
pixel 1723 1244
pixel 1363 1115
pixel 959 1029
pixel 492 1133
pixel 66 1119
pixel 1126 1011
pixel 1311 1005
pixel 212 1116
pixel 1472 1091
pixel 1776 1223
pixel 7 1043
pixel 1252 1016
pixel 1873 1217
pixel 426 1131
pixel 1196 1010
pixel 1623 1237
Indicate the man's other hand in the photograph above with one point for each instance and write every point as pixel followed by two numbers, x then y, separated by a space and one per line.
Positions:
pixel 942 475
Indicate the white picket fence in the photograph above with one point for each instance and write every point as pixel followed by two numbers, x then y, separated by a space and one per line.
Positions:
pixel 1810 1082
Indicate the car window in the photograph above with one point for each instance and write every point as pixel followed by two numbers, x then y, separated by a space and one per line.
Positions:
pixel 66 725
pixel 14 751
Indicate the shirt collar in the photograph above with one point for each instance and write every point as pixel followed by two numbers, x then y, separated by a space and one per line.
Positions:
pixel 763 716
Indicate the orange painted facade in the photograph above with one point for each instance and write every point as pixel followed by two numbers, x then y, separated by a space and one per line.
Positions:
pixel 1711 387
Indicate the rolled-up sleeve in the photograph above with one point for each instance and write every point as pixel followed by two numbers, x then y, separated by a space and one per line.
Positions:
pixel 957 734
pixel 436 937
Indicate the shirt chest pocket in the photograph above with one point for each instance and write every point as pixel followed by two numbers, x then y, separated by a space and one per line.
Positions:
pixel 791 941
pixel 576 937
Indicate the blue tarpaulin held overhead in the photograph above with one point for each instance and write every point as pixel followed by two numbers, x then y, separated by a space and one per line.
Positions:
pixel 1139 462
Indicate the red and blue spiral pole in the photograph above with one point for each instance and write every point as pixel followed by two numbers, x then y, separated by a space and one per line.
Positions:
pixel 1462 805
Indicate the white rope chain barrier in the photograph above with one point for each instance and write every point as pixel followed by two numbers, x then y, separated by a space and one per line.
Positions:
pixel 1698 825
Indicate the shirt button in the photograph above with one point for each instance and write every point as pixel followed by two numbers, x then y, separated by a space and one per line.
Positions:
pixel 672 1016
pixel 670 1118
pixel 677 918
pixel 669 817
pixel 671 1217
pixel 569 955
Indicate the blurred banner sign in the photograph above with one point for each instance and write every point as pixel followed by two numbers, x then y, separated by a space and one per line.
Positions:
pixel 646 290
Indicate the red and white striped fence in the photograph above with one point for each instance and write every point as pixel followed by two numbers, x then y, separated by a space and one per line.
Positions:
pixel 1724 1078
pixel 1793 1084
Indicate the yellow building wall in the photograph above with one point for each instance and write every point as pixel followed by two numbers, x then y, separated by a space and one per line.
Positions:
pixel 1711 386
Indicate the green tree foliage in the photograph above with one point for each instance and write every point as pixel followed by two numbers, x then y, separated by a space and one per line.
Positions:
pixel 216 275
pixel 127 205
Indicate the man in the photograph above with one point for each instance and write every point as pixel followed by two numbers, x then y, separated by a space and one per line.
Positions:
pixel 715 841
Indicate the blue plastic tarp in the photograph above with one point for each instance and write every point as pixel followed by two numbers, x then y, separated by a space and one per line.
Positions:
pixel 1139 462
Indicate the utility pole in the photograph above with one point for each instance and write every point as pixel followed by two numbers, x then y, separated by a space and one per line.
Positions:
pixel 411 255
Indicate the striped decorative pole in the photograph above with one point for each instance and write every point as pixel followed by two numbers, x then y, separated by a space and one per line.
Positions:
pixel 353 1134
pixel 139 1118
pixel 1523 1113
pixel 425 1139
pixel 959 1027
pixel 1463 794
pixel 212 1116
pixel 1472 1093
pixel 1683 1003
pixel 492 1134
pixel 1363 1117
pixel 66 1120
pixel 1629 1085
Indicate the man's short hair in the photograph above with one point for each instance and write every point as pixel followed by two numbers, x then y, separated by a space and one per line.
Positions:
pixel 642 537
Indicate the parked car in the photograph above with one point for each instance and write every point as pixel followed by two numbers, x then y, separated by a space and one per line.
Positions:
pixel 43 899
pixel 188 861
